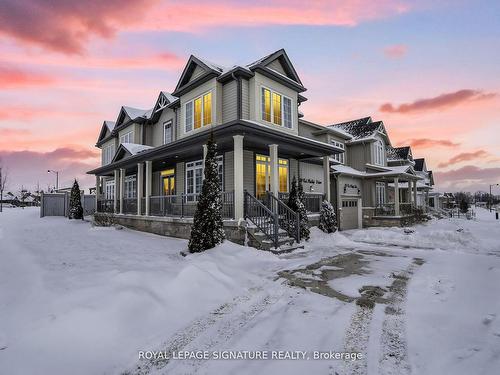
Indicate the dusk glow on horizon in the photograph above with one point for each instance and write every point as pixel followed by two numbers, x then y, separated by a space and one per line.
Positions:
pixel 429 70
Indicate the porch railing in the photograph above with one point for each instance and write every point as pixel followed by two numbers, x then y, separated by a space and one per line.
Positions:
pixel 130 205
pixel 106 205
pixel 388 209
pixel 288 220
pixel 262 217
pixel 312 201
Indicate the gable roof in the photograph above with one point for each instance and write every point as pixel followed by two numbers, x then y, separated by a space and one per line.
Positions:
pixel 107 126
pixel 283 59
pixel 361 128
pixel 399 153
pixel 210 70
pixel 129 149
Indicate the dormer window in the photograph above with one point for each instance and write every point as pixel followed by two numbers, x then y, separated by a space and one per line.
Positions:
pixel 276 108
pixel 339 158
pixel 127 137
pixel 199 112
pixel 379 152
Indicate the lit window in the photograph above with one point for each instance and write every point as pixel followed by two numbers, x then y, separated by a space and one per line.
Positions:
pixel 199 112
pixel 266 105
pixel 263 175
pixel 276 108
pixel 283 175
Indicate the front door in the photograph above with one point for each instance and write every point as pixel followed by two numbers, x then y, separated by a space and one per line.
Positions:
pixel 263 175
pixel 168 182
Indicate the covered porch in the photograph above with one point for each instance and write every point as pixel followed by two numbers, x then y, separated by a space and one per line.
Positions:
pixel 165 182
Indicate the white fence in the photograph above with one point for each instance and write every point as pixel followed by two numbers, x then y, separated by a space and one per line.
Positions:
pixel 57 204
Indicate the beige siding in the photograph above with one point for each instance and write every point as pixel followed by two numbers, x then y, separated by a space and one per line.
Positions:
pixel 229 171
pixel 230 101
pixel 179 178
pixel 249 171
pixel 156 132
pixel 198 71
pixel 314 173
pixel 357 156
pixel 293 170
pixel 245 110
pixel 276 65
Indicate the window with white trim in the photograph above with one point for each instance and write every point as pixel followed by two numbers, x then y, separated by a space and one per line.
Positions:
pixel 380 193
pixel 276 108
pixel 195 176
pixel 127 137
pixel 198 112
pixel 339 158
pixel 130 190
pixel 108 153
pixel 167 132
pixel 379 151
pixel 109 190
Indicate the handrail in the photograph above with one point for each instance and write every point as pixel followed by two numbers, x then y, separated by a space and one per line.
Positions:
pixel 262 217
pixel 288 219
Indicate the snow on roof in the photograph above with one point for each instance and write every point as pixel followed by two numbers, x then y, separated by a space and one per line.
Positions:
pixel 110 125
pixel 169 96
pixel 362 128
pixel 348 170
pixel 135 148
pixel 213 66
pixel 134 113
pixel 398 153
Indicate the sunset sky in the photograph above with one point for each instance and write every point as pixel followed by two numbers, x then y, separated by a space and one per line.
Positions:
pixel 429 69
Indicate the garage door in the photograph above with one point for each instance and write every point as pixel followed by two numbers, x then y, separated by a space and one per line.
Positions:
pixel 349 214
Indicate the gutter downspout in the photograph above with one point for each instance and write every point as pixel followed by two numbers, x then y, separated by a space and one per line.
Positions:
pixel 239 95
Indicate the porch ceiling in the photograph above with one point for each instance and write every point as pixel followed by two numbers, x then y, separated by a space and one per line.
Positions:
pixel 256 137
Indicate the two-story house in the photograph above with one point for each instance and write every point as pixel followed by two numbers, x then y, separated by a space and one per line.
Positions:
pixel 152 160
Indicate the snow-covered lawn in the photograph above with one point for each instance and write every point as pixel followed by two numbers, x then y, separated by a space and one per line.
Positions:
pixel 75 299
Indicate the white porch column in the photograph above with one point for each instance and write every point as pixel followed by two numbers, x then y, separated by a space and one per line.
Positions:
pixel 97 191
pixel 396 196
pixel 140 182
pixel 149 180
pixel 273 158
pixel 205 150
pixel 117 191
pixel 238 177
pixel 326 177
pixel 122 188
pixel 415 193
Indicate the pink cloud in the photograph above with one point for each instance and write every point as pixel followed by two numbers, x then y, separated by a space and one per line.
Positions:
pixel 67 26
pixel 29 167
pixel 11 77
pixel 438 102
pixel 395 52
pixel 28 113
pixel 468 174
pixel 428 143
pixel 465 156
pixel 10 133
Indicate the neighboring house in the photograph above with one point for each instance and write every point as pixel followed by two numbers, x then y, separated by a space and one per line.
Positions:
pixel 152 160
pixel 369 179
pixel 425 186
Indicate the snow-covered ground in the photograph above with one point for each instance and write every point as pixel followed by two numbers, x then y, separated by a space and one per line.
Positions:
pixel 75 299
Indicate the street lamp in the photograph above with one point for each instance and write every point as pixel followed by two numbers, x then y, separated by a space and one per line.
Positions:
pixel 57 177
pixel 491 195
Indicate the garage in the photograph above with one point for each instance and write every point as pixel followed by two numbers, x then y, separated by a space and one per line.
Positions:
pixel 349 217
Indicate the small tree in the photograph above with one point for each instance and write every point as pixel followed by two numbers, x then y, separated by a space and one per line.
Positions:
pixel 207 231
pixel 3 183
pixel 296 200
pixel 327 218
pixel 464 206
pixel 75 203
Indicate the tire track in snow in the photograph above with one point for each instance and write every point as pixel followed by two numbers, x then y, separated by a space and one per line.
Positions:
pixel 394 348
pixel 226 320
pixel 356 340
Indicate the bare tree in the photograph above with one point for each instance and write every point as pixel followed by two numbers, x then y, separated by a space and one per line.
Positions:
pixel 3 183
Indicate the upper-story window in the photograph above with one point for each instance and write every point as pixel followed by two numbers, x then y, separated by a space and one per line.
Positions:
pixel 108 153
pixel 379 152
pixel 276 108
pixel 340 158
pixel 127 137
pixel 199 112
pixel 167 132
